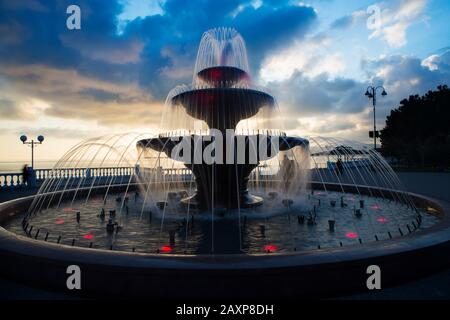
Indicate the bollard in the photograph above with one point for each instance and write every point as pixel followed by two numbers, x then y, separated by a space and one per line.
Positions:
pixel 110 247
pixel 340 243
pixel 376 238
pixel 272 195
pixel 102 214
pixel 78 217
pixel 331 224
pixel 390 235
pixel 262 230
pixel 46 236
pixel 161 204
pixel 287 202
pixel 360 241
pixel 318 247
pixel 90 245
pixel 110 226
pixel 409 229
pixel 59 239
pixel 172 237
pixel 73 242
pixel 37 234
pixel 342 202
pixel 29 231
pixel 133 249
pixel 401 232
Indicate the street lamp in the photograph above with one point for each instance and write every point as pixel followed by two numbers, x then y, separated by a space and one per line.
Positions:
pixel 371 93
pixel 32 143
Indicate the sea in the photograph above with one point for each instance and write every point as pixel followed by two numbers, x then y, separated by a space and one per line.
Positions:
pixel 16 166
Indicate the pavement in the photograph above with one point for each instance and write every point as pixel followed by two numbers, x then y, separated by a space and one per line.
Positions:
pixel 435 286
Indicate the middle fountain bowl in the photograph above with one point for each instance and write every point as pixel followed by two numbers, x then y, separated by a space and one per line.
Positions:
pixel 222 115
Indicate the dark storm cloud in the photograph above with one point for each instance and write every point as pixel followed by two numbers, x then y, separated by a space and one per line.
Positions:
pixel 318 95
pixel 172 39
pixel 156 51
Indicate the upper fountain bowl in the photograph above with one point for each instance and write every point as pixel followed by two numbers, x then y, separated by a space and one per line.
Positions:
pixel 221 47
pixel 223 76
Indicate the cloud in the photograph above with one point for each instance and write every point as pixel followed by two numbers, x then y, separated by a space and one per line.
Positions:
pixel 9 109
pixel 396 19
pixel 99 75
pixel 319 95
pixel 439 61
pixel 349 20
pixel 326 105
pixel 310 56
pixel 71 95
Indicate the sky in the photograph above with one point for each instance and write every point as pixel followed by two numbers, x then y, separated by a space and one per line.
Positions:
pixel 317 58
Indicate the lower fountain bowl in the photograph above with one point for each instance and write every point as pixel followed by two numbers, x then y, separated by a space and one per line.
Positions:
pixel 315 273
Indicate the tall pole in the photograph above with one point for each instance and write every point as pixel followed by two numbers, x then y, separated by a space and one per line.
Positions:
pixel 371 93
pixel 32 154
pixel 374 102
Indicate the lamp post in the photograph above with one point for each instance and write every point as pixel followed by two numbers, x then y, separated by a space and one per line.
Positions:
pixel 371 93
pixel 32 143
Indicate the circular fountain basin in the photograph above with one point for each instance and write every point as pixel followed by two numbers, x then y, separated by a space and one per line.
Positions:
pixel 257 273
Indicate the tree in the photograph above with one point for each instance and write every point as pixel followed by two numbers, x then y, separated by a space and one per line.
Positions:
pixel 418 131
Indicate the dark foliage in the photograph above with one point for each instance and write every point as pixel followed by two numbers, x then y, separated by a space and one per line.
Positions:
pixel 418 132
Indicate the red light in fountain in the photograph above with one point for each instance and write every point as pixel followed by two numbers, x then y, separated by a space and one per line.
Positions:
pixel 166 249
pixel 270 248
pixel 59 221
pixel 216 74
pixel 382 220
pixel 352 235
pixel 88 236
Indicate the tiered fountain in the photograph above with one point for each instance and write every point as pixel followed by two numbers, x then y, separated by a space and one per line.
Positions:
pixel 265 215
pixel 222 97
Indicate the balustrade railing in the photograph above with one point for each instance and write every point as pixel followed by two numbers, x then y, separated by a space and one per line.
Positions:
pixel 38 176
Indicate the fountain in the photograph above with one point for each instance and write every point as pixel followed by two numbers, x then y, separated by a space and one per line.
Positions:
pixel 221 191
pixel 222 96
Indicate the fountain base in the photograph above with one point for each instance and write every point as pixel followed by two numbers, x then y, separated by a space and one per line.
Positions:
pixel 247 200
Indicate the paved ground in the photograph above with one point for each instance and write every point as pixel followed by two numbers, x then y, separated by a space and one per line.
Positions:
pixel 435 286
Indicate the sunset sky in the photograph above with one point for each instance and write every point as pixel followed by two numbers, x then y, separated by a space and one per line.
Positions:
pixel 317 57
